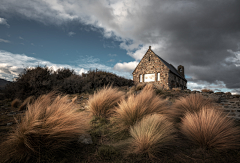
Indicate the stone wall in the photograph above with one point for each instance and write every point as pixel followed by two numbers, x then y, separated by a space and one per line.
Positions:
pixel 230 104
pixel 151 64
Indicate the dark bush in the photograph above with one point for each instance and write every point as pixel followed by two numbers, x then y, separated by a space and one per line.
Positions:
pixel 35 81
pixel 42 80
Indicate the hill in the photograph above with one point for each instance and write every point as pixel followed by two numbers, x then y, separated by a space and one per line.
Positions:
pixel 3 82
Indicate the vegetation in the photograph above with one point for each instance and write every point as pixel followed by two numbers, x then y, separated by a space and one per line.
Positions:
pixel 41 80
pixel 207 90
pixel 102 102
pixel 131 125
pixel 135 107
pixel 192 103
pixel 150 135
pixel 49 124
pixel 211 128
pixel 16 103
pixel 26 102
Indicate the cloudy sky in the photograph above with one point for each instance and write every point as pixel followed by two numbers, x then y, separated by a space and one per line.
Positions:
pixel 113 35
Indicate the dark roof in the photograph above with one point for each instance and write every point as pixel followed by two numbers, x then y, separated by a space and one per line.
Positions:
pixel 171 68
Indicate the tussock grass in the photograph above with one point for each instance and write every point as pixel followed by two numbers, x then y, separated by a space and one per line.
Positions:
pixel 140 86
pixel 211 128
pixel 102 102
pixel 151 134
pixel 49 125
pixel 135 107
pixel 149 86
pixel 191 103
pixel 16 103
pixel 27 101
pixel 74 99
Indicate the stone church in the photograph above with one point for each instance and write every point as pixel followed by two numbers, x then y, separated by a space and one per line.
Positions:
pixel 153 68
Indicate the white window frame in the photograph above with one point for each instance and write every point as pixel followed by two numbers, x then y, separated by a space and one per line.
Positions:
pixel 158 76
pixel 140 78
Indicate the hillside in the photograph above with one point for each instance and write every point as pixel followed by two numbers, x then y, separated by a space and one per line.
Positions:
pixel 3 82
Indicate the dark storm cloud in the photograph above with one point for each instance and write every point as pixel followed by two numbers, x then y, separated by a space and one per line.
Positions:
pixel 198 35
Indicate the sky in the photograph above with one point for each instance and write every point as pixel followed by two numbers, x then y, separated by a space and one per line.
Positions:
pixel 114 35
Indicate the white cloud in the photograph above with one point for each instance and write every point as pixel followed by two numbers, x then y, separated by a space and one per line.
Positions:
pixel 111 60
pixel 6 41
pixel 71 33
pixel 4 21
pixel 112 55
pixel 126 66
pixel 13 64
pixel 20 38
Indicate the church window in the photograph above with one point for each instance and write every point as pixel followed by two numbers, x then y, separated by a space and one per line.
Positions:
pixel 140 78
pixel 158 76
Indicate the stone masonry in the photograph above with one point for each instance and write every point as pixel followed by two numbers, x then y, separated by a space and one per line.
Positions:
pixel 230 104
pixel 152 64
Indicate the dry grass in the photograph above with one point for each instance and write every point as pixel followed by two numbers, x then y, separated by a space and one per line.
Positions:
pixel 151 134
pixel 207 90
pixel 27 101
pixel 16 103
pixel 135 107
pixel 140 86
pixel 102 102
pixel 191 103
pixel 211 128
pixel 74 99
pixel 49 125
pixel 149 86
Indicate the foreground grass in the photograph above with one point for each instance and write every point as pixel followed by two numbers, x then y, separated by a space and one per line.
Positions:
pixel 49 125
pixel 150 135
pixel 142 141
pixel 211 128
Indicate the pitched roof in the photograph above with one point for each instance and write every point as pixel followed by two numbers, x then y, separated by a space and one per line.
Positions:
pixel 171 67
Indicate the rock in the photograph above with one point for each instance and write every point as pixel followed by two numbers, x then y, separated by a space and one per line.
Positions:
pixel 85 139
pixel 9 124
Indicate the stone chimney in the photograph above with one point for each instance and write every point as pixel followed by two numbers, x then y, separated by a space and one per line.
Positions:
pixel 181 70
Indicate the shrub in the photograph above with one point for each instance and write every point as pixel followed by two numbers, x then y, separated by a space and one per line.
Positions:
pixel 71 85
pixel 33 81
pixel 207 90
pixel 27 101
pixel 151 134
pixel 48 126
pixel 16 103
pixel 135 107
pixel 211 128
pixel 102 102
pixel 191 103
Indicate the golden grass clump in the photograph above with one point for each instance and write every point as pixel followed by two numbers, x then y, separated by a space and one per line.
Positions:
pixel 49 125
pixel 27 101
pixel 140 86
pixel 135 107
pixel 207 90
pixel 102 102
pixel 16 103
pixel 74 99
pixel 149 86
pixel 151 134
pixel 191 103
pixel 211 128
